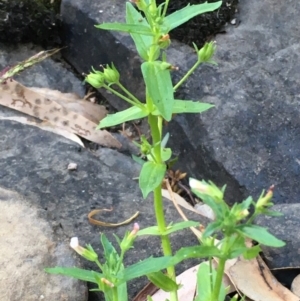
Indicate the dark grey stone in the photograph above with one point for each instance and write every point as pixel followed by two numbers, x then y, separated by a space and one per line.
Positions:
pixel 285 228
pixel 251 139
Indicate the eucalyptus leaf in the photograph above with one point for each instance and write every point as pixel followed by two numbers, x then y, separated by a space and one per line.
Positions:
pixel 260 235
pixel 151 176
pixel 183 15
pixel 159 87
pixel 77 273
pixel 130 28
pixel 118 118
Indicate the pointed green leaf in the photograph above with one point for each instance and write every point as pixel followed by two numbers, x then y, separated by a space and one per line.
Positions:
pixel 77 273
pixel 130 28
pixel 142 42
pixel 196 252
pixel 159 86
pixel 145 267
pixel 118 118
pixel 162 281
pixel 183 15
pixel 151 176
pixel 261 235
pixel 205 275
pixel 188 106
pixel 170 229
pixel 252 252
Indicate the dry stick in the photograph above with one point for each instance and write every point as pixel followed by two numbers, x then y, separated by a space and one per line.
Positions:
pixel 195 231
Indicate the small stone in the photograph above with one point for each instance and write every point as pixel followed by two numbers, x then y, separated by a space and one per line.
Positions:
pixel 72 166
pixel 233 21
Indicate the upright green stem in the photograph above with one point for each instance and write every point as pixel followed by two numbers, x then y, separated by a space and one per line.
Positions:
pixel 220 270
pixel 158 201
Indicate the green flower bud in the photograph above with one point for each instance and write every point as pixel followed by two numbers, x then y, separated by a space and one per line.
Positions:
pixel 207 188
pixel 164 42
pixel 95 79
pixel 264 201
pixel 129 238
pixel 111 74
pixel 88 254
pixel 206 52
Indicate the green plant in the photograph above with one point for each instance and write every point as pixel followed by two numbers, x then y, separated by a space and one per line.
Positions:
pixel 149 27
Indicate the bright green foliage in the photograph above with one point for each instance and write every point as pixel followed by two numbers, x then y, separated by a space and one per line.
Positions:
pixel 151 176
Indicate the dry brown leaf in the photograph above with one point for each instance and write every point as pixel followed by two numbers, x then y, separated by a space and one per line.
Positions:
pixel 72 102
pixel 17 97
pixel 106 224
pixel 46 126
pixel 254 279
pixel 148 290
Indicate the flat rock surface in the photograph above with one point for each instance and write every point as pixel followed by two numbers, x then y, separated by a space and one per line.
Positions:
pixel 27 247
pixel 251 139
pixel 286 228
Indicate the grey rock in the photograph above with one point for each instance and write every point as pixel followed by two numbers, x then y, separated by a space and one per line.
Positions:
pixel 27 247
pixel 251 139
pixel 285 228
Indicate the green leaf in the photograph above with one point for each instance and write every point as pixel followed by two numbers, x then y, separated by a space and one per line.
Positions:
pixel 183 15
pixel 138 160
pixel 261 235
pixel 142 43
pixel 188 106
pixel 77 273
pixel 166 154
pixel 170 229
pixel 205 275
pixel 123 27
pixel 196 252
pixel 211 228
pixel 252 252
pixel 129 114
pixel 160 280
pixel 110 254
pixel 145 267
pixel 159 87
pixel 151 176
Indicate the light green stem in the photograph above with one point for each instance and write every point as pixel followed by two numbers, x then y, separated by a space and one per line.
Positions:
pixel 128 93
pixel 158 201
pixel 187 75
pixel 220 270
pixel 122 96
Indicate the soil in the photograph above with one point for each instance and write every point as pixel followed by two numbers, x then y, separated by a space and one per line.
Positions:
pixel 203 27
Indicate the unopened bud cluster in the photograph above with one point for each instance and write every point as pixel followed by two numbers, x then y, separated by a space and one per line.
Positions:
pixel 98 79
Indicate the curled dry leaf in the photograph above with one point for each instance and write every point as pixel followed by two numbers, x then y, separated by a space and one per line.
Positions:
pixel 17 97
pixel 107 224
